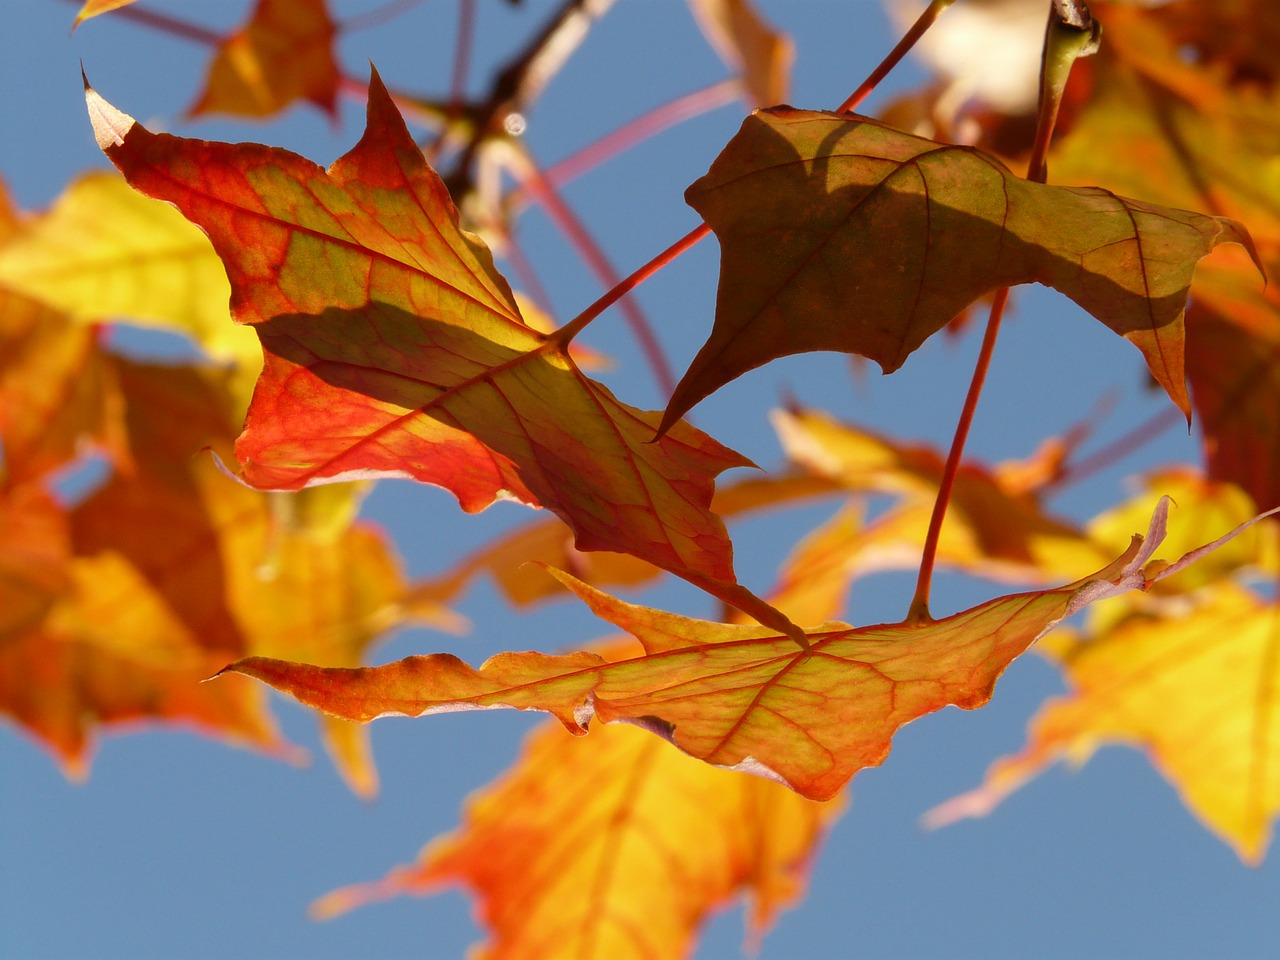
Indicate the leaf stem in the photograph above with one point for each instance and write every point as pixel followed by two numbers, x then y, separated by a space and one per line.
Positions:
pixel 377 16
pixel 536 184
pixel 575 326
pixel 652 122
pixel 1065 41
pixel 917 30
pixel 919 610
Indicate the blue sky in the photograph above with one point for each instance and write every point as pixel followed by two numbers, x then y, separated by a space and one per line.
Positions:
pixel 181 847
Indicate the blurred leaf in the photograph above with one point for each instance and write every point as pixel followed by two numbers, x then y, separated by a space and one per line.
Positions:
pixel 285 52
pixel 761 55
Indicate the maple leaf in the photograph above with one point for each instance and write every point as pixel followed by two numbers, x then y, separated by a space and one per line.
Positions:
pixel 110 652
pixel 395 348
pixel 58 391
pixel 612 846
pixel 740 696
pixel 840 233
pixel 1196 690
pixel 284 53
pixel 631 865
pixel 129 621
pixel 1199 141
pixel 995 526
pixel 748 45
pixel 105 252
pixel 1186 674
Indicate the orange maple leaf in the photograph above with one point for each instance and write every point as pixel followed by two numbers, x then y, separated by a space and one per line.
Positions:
pixel 1186 674
pixel 284 53
pixel 1195 689
pixel 841 233
pixel 741 696
pixel 395 348
pixel 612 846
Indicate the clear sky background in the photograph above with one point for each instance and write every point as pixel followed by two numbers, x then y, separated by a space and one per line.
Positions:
pixel 182 847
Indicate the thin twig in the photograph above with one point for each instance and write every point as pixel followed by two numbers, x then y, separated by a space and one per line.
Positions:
pixel 536 185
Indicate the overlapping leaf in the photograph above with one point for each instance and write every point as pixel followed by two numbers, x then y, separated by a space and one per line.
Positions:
pixel 1196 139
pixel 739 696
pixel 614 846
pixel 394 347
pixel 169 569
pixel 58 391
pixel 839 233
pixel 104 252
pixel 1197 690
pixel 995 526
pixel 1186 674
pixel 284 53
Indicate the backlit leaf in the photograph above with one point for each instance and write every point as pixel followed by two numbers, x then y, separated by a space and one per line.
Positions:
pixel 739 696
pixel 839 233
pixel 104 252
pixel 1194 139
pixel 284 53
pixel 394 347
pixel 58 391
pixel 94 8
pixel 1195 689
pixel 110 652
pixel 613 846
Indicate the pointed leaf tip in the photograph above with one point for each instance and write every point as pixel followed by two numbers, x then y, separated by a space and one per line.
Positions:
pixel 110 126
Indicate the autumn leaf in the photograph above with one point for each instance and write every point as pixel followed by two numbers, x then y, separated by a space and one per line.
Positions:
pixel 1194 689
pixel 284 53
pixel 633 864
pixel 612 846
pixel 1185 674
pixel 995 527
pixel 395 348
pixel 749 46
pixel 35 556
pixel 125 622
pixel 58 392
pixel 740 696
pixel 110 652
pixel 1240 36
pixel 95 8
pixel 839 233
pixel 104 252
pixel 1198 140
